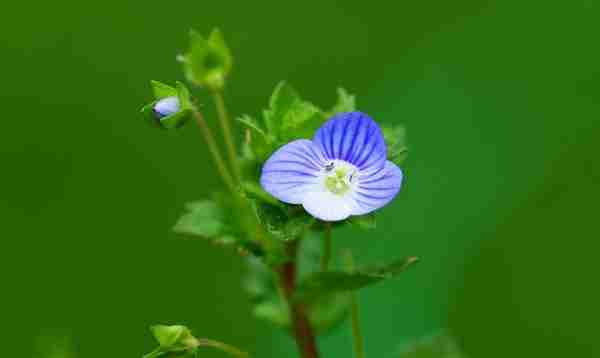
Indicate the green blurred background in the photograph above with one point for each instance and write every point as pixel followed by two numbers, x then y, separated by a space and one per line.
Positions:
pixel 501 102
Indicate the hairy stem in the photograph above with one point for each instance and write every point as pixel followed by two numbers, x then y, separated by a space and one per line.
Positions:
pixel 213 148
pixel 326 254
pixel 227 134
pixel 303 331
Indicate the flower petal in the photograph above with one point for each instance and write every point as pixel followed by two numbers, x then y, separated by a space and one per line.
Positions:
pixel 353 137
pixel 377 189
pixel 292 171
pixel 326 206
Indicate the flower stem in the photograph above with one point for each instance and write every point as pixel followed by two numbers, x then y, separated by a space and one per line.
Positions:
pixel 212 147
pixel 357 337
pixel 227 134
pixel 303 331
pixel 204 342
pixel 326 254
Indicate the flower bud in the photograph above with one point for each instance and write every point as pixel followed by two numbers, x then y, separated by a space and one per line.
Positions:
pixel 166 107
pixel 173 338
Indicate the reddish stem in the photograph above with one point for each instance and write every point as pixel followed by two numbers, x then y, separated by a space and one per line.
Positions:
pixel 303 332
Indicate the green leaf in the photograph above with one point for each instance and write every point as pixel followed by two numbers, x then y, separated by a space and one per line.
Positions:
pixel 440 346
pixel 322 283
pixel 203 218
pixel 345 103
pixel 366 222
pixel 395 140
pixel 301 120
pixel 282 99
pixel 207 62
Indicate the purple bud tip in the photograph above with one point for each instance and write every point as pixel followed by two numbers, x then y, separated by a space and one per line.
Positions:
pixel 166 106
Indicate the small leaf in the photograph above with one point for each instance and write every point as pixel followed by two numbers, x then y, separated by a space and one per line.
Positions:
pixel 322 283
pixel 366 222
pixel 203 218
pixel 434 347
pixel 301 120
pixel 345 102
pixel 395 139
pixel 282 99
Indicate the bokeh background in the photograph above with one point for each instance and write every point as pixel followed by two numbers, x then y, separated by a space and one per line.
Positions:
pixel 501 102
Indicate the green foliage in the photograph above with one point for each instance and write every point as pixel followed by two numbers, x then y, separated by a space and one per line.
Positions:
pixel 287 118
pixel 441 346
pixel 395 139
pixel 325 283
pixel 207 62
pixel 174 120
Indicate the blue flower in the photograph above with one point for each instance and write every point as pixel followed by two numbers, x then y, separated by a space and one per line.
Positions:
pixel 166 107
pixel 343 171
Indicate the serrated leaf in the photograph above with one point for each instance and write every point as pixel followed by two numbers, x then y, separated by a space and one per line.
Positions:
pixel 395 140
pixel 345 102
pixel 323 283
pixel 366 222
pixel 282 99
pixel 300 121
pixel 203 218
pixel 434 347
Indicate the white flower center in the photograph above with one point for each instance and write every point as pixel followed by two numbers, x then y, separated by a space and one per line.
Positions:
pixel 339 177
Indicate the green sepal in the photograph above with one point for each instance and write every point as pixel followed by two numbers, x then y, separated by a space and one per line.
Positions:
pixel 395 140
pixel 173 341
pixel 207 62
pixel 174 120
pixel 440 346
pixel 366 222
pixel 324 283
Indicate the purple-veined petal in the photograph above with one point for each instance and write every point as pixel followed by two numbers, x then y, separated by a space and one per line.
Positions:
pixel 353 137
pixel 376 189
pixel 292 171
pixel 326 206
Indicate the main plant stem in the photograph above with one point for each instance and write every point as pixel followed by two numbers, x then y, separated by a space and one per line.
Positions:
pixel 303 331
pixel 213 148
pixel 227 133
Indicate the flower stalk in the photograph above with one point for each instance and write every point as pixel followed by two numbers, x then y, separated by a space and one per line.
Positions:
pixel 213 148
pixel 227 133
